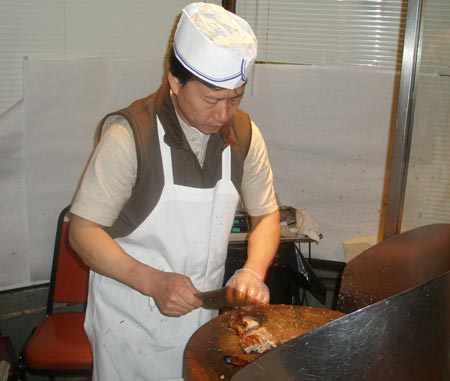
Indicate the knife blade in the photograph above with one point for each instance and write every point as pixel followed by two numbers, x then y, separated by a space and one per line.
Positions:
pixel 214 299
pixel 224 297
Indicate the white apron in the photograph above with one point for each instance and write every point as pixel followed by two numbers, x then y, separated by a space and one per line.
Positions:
pixel 187 233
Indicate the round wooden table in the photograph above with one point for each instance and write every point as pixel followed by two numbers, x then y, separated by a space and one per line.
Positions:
pixel 211 343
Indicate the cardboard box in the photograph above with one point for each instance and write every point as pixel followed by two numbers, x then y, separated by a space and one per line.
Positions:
pixel 355 246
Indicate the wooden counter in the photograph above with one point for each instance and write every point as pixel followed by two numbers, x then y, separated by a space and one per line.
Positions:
pixel 205 351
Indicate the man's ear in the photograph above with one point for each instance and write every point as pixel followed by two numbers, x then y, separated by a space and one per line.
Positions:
pixel 174 83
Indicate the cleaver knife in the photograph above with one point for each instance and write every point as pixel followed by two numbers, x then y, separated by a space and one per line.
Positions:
pixel 224 297
pixel 214 299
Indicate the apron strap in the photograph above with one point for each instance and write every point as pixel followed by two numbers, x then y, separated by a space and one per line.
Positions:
pixel 167 159
pixel 165 155
pixel 226 163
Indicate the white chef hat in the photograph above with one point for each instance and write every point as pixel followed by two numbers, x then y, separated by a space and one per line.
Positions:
pixel 215 45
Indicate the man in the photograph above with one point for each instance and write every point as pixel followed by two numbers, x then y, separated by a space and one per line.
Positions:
pixel 156 204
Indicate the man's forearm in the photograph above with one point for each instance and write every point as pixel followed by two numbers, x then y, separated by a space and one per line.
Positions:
pixel 263 242
pixel 173 293
pixel 103 255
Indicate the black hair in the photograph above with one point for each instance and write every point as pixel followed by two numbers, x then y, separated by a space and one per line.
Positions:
pixel 178 70
pixel 183 75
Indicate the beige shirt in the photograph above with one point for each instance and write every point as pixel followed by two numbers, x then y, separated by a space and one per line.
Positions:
pixel 111 173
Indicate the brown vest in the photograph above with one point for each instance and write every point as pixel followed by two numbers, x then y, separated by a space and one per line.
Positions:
pixel 187 171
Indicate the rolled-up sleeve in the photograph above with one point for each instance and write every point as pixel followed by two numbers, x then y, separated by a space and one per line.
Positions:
pixel 258 193
pixel 109 177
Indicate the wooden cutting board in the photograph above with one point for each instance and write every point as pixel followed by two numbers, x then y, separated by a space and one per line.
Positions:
pixel 205 351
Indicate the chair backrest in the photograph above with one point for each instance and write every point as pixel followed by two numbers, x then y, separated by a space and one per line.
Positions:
pixel 69 276
pixel 394 265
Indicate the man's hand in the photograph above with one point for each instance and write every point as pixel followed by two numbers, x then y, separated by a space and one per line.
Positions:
pixel 174 294
pixel 247 288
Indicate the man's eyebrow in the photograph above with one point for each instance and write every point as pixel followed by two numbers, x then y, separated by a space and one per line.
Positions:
pixel 216 98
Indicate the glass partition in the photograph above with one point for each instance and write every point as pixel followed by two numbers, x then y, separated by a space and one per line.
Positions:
pixel 427 192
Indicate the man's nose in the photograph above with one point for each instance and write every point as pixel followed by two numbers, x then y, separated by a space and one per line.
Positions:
pixel 223 111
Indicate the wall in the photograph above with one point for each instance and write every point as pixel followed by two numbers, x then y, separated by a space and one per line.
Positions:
pixel 326 130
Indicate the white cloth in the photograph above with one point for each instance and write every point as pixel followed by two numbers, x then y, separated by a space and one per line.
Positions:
pixel 187 233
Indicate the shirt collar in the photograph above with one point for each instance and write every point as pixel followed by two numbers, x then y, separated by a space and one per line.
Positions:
pixel 174 135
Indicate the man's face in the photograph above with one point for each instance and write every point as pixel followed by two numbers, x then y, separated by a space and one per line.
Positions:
pixel 203 107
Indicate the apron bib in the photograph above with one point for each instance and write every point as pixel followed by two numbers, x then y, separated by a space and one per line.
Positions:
pixel 187 233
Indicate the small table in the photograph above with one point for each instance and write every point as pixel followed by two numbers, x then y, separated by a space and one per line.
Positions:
pixel 236 239
pixel 205 351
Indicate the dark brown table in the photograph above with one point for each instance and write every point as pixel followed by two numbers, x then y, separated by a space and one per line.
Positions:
pixel 205 351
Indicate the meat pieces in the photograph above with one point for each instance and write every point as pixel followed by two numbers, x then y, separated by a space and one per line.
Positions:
pixel 253 337
pixel 257 340
pixel 242 324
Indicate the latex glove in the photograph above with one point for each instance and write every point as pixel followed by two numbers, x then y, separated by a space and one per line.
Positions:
pixel 247 288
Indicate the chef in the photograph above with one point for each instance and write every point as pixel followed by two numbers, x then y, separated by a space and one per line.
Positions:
pixel 155 207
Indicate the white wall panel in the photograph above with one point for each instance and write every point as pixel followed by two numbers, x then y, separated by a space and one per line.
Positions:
pixel 117 28
pixel 14 259
pixel 47 29
pixel 35 178
pixel 59 133
pixel 27 28
pixel 327 131
pixel 326 138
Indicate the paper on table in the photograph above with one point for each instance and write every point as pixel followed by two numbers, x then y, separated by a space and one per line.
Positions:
pixel 307 225
pixel 298 222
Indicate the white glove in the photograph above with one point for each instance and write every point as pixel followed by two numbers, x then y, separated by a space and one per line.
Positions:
pixel 247 288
